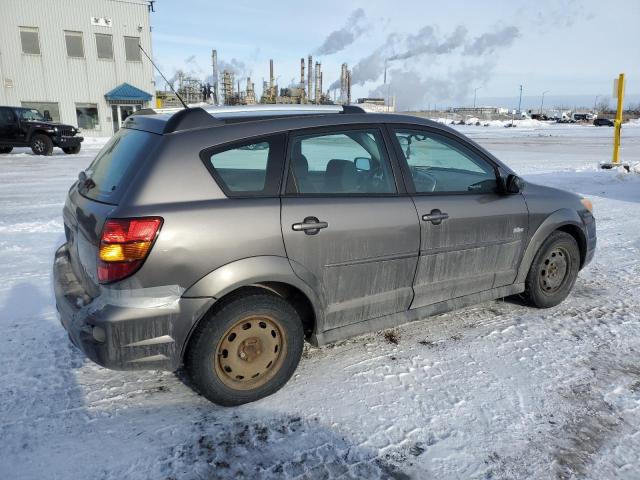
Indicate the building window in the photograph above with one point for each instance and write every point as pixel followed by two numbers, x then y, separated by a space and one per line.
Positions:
pixel 104 45
pixel 29 40
pixel 131 49
pixel 73 40
pixel 87 115
pixel 49 110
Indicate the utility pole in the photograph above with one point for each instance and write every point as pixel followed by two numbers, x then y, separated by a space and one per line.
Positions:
pixel 542 101
pixel 520 102
pixel 595 104
pixel 475 92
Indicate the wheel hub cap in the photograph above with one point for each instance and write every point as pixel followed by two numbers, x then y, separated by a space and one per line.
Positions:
pixel 250 353
pixel 554 270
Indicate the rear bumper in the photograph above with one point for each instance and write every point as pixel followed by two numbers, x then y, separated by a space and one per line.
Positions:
pixel 125 329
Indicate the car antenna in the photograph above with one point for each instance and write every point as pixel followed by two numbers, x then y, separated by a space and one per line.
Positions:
pixel 163 77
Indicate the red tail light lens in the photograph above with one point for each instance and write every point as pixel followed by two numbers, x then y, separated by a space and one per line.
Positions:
pixel 124 246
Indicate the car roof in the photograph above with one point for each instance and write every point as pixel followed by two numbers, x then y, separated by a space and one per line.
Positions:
pixel 285 117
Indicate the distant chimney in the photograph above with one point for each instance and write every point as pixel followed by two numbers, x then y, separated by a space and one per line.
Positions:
pixel 310 79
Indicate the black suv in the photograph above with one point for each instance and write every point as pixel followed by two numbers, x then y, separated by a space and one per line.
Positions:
pixel 26 127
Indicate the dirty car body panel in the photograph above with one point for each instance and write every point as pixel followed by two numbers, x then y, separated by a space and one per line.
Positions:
pixel 376 264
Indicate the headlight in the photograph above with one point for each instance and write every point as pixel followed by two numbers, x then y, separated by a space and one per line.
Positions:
pixel 55 129
pixel 586 203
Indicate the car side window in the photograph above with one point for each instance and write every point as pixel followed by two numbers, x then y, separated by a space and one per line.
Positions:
pixel 248 168
pixel 6 117
pixel 348 162
pixel 438 164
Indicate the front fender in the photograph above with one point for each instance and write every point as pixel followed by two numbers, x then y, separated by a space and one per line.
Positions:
pixel 558 219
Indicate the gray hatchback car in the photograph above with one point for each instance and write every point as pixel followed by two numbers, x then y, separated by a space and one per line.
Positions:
pixel 221 239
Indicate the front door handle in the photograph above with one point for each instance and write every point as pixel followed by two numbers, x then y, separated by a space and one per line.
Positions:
pixel 435 217
pixel 310 226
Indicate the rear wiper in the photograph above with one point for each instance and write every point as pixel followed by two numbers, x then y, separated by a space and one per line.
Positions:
pixel 85 182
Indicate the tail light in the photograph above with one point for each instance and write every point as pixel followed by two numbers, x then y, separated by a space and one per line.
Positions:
pixel 124 245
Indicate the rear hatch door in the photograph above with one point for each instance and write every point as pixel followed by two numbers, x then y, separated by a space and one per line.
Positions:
pixel 92 200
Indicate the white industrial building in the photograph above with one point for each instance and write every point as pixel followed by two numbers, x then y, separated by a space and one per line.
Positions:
pixel 77 61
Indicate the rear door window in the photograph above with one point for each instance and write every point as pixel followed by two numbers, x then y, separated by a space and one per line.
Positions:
pixel 116 163
pixel 343 162
pixel 251 168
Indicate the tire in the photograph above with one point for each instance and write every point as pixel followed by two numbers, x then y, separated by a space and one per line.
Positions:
pixel 224 352
pixel 41 144
pixel 6 149
pixel 71 150
pixel 560 254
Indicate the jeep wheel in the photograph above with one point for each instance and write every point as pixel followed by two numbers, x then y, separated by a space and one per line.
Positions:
pixel 554 271
pixel 6 149
pixel 41 144
pixel 245 350
pixel 71 150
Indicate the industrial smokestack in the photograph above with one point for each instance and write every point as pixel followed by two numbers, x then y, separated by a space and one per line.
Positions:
pixel 348 87
pixel 316 93
pixel 214 77
pixel 310 78
pixel 302 73
pixel 320 101
pixel 271 73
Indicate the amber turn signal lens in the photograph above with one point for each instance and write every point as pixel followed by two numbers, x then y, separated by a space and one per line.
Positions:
pixel 586 203
pixel 119 252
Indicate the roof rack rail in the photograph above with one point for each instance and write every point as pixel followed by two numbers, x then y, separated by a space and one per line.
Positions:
pixel 281 109
pixel 210 115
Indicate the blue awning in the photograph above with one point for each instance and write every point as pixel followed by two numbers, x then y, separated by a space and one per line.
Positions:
pixel 126 92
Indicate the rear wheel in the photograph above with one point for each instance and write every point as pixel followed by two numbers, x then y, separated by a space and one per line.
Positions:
pixel 71 150
pixel 6 149
pixel 41 144
pixel 554 271
pixel 245 350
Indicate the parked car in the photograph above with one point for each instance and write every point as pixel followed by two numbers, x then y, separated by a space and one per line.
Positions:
pixel 221 239
pixel 27 127
pixel 603 122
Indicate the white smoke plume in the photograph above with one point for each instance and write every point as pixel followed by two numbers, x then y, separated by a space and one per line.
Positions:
pixel 342 38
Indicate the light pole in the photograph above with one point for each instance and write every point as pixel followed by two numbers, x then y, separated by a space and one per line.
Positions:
pixel 595 103
pixel 475 92
pixel 520 102
pixel 542 101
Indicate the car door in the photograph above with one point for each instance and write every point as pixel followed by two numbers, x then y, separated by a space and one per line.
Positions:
pixel 472 236
pixel 347 232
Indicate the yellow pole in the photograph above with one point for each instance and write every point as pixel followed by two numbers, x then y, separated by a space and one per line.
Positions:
pixel 618 121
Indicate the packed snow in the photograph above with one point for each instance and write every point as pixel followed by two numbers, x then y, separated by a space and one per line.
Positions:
pixel 494 391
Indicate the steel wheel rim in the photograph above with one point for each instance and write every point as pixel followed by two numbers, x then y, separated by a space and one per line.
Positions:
pixel 554 270
pixel 39 145
pixel 250 352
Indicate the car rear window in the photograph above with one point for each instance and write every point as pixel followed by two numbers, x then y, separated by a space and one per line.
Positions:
pixel 111 170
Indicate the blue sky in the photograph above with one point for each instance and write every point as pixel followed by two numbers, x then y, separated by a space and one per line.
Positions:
pixel 446 49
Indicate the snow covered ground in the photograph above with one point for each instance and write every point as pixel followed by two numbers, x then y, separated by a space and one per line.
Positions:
pixel 495 391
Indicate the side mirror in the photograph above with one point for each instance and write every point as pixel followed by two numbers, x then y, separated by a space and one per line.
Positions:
pixel 362 163
pixel 513 184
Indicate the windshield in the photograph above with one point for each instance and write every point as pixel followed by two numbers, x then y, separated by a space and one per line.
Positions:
pixel 109 173
pixel 30 114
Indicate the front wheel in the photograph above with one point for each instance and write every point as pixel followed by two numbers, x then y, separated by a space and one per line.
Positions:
pixel 554 271
pixel 6 149
pixel 71 150
pixel 245 350
pixel 41 144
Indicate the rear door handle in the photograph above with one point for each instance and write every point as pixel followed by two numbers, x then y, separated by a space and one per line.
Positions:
pixel 435 217
pixel 310 226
